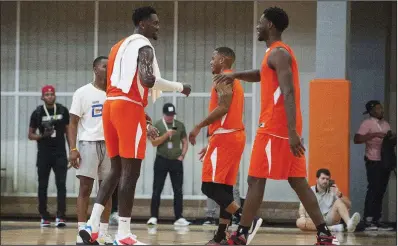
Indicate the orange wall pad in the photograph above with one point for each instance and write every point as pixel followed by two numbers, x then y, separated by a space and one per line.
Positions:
pixel 329 134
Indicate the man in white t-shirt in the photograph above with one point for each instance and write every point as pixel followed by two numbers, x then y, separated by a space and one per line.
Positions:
pixel 90 158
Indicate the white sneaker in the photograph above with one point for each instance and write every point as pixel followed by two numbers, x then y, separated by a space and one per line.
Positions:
pixel 182 222
pixel 256 224
pixel 129 239
pixel 60 222
pixel 105 239
pixel 114 219
pixel 353 222
pixel 152 221
pixel 337 228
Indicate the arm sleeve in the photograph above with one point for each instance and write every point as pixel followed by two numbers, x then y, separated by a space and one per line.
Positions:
pixel 76 108
pixel 166 85
pixel 364 128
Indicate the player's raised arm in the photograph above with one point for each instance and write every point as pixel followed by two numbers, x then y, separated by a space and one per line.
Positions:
pixel 247 75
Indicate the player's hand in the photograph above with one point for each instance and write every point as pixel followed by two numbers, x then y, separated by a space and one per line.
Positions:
pixel 148 81
pixel 170 133
pixel 186 89
pixel 202 153
pixel 296 145
pixel 193 134
pixel 152 132
pixel 180 158
pixel 75 158
pixel 223 78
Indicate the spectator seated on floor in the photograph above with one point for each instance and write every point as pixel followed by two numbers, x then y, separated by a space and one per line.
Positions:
pixel 334 206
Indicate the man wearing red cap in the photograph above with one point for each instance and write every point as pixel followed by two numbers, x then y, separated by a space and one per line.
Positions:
pixel 52 120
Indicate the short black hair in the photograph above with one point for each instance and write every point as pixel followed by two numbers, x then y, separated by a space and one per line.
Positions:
pixel 142 13
pixel 98 59
pixel 226 52
pixel 324 171
pixel 278 17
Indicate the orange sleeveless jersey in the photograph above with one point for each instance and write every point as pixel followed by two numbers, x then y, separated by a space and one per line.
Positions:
pixel 234 118
pixel 137 92
pixel 273 115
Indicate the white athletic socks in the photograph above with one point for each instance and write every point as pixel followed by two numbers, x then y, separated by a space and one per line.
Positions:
pixel 81 225
pixel 103 228
pixel 96 215
pixel 124 226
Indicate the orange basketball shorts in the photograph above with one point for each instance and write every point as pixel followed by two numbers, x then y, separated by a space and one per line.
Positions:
pixel 124 129
pixel 221 162
pixel 272 158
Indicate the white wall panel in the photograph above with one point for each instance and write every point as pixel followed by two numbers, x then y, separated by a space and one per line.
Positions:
pixel 7 142
pixel 57 44
pixel 8 37
pixel 202 27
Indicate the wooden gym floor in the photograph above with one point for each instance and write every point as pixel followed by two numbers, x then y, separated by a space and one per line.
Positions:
pixel 23 233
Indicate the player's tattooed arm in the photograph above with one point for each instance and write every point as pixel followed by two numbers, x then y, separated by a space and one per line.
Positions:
pixel 145 66
pixel 224 92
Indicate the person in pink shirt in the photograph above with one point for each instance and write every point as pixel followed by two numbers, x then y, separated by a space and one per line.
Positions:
pixel 371 132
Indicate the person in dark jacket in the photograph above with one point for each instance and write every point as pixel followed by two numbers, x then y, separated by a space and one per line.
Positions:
pixel 388 155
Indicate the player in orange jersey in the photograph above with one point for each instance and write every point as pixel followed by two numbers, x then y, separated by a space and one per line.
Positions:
pixel 278 152
pixel 227 140
pixel 132 72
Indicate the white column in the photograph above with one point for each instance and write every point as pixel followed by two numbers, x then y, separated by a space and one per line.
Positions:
pixel 16 97
pixel 96 13
pixel 175 48
pixel 254 65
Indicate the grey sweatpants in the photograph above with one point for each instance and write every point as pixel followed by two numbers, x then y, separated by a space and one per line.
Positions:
pixel 212 208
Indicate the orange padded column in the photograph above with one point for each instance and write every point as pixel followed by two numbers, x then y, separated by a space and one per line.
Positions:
pixel 329 134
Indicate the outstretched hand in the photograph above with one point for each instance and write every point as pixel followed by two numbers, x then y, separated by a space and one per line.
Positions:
pixel 186 89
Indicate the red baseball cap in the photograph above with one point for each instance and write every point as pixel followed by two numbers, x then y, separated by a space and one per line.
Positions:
pixel 47 88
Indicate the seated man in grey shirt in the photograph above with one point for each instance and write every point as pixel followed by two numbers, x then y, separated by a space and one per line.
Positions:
pixel 334 206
